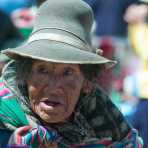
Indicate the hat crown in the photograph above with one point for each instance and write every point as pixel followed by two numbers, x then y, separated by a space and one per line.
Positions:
pixel 61 34
pixel 73 16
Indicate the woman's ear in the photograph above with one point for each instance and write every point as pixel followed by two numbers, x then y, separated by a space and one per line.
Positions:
pixel 87 86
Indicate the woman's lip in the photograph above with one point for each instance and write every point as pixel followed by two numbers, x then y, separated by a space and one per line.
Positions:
pixel 52 103
pixel 45 106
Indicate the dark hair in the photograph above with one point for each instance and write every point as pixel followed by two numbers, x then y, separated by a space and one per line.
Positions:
pixel 91 71
pixel 23 69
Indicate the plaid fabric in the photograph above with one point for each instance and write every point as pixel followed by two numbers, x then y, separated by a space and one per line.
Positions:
pixel 130 141
pixel 32 137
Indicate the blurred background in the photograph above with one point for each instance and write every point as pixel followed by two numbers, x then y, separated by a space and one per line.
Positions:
pixel 120 29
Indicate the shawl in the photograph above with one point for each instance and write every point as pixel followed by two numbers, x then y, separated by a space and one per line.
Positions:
pixel 97 122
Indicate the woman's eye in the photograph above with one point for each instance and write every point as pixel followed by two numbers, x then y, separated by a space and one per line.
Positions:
pixel 68 72
pixel 42 70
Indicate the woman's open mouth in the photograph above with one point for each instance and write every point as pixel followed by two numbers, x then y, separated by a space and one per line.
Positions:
pixel 52 103
pixel 49 103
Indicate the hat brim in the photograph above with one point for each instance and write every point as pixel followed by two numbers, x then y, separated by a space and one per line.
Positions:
pixel 58 52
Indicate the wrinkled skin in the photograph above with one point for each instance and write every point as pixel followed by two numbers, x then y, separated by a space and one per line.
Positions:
pixel 54 90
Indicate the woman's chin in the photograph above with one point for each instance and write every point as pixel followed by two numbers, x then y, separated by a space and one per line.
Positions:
pixel 52 118
pixel 52 114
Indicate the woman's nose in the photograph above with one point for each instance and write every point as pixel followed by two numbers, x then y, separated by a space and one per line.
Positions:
pixel 55 84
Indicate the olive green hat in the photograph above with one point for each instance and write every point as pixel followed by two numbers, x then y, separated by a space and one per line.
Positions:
pixel 61 34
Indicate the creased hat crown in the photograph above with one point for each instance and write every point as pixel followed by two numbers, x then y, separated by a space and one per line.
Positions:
pixel 74 16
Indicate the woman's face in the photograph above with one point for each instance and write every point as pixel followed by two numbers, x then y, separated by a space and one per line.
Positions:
pixel 54 90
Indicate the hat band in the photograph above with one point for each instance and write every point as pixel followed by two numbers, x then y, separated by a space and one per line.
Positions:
pixel 60 38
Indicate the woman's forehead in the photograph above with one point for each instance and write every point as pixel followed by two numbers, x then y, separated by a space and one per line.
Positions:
pixel 39 63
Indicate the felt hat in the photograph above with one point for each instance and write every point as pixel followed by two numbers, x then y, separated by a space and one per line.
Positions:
pixel 61 34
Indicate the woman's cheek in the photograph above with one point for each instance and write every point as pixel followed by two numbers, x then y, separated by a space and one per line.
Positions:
pixel 35 86
pixel 73 83
pixel 32 91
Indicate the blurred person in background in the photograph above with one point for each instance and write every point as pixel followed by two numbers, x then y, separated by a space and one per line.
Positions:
pixel 109 16
pixel 24 19
pixel 18 20
pixel 110 33
pixel 137 17
pixel 106 77
pixel 9 34
pixel 8 6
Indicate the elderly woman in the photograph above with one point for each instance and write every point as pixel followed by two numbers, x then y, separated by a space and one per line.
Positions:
pixel 48 94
